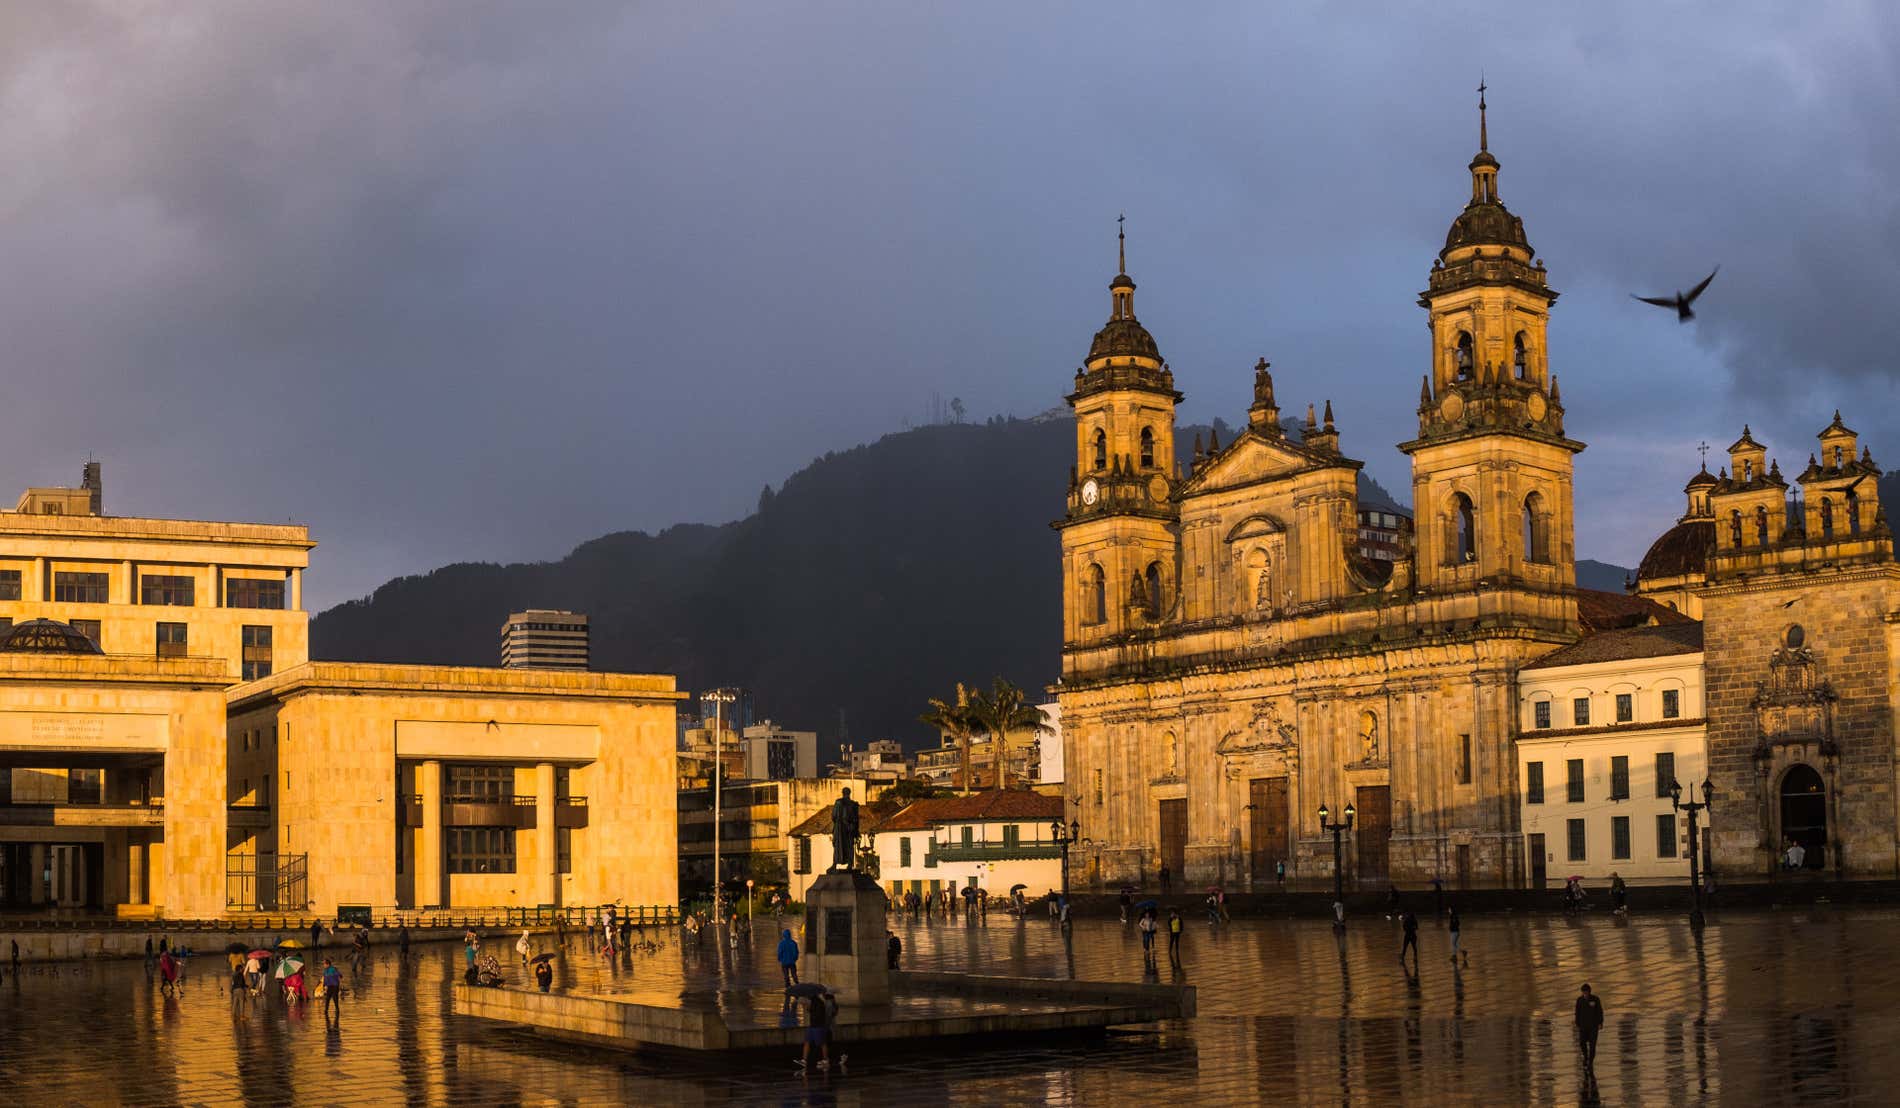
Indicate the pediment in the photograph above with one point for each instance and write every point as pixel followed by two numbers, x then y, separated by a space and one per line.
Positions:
pixel 1252 458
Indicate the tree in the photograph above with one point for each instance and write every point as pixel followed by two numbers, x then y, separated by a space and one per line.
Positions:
pixel 1004 709
pixel 953 719
pixel 956 409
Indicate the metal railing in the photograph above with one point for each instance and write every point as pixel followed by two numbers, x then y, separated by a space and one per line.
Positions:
pixel 382 919
pixel 994 852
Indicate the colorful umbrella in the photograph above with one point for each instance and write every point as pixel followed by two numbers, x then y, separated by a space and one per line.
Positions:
pixel 260 955
pixel 290 944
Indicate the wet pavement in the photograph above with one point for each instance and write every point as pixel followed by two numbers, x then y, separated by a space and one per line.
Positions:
pixel 1766 1008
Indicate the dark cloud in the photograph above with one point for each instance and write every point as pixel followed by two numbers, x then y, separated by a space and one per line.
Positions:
pixel 480 281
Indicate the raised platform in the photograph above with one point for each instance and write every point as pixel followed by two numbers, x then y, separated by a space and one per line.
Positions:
pixel 924 1006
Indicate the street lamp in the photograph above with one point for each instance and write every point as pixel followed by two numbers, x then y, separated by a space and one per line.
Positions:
pixel 720 698
pixel 1336 829
pixel 748 902
pixel 1695 852
pixel 1065 837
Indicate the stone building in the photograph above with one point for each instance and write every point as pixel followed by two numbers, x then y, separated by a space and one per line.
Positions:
pixel 1231 661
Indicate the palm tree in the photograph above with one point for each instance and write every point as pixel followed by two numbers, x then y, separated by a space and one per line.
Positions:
pixel 953 718
pixel 1003 710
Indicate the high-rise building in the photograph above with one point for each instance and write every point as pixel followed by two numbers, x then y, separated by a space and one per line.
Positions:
pixel 541 638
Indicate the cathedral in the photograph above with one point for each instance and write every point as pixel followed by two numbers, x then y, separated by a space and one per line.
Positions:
pixel 1233 664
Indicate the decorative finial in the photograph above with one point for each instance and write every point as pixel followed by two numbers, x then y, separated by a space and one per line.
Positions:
pixel 1121 243
pixel 1702 448
pixel 1329 415
pixel 1484 137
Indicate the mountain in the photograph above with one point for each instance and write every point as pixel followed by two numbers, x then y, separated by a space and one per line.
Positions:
pixel 873 578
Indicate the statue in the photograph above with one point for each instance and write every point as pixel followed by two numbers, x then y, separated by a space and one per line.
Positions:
pixel 844 832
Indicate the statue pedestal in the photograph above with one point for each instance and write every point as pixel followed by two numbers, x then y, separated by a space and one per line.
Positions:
pixel 844 943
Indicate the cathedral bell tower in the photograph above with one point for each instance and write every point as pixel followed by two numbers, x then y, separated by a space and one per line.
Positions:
pixel 1118 537
pixel 1491 467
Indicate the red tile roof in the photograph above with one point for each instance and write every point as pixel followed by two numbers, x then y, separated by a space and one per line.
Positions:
pixel 1626 643
pixel 1017 805
pixel 1606 611
pixel 870 817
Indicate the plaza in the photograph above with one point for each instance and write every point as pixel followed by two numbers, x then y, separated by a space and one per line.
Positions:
pixel 1769 1006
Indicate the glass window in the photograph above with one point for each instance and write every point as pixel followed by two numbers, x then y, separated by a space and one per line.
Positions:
pixel 903 851
pixel 1620 777
pixel 1672 703
pixel 1012 834
pixel 1620 837
pixel 1580 711
pixel 1534 783
pixel 804 856
pixel 87 627
pixel 481 849
pixel 81 588
pixel 1665 772
pixel 252 592
pixel 969 835
pixel 1541 710
pixel 1625 707
pixel 171 640
pixel 481 784
pixel 85 786
pixel 1464 759
pixel 1575 829
pixel 1574 786
pixel 257 655
pixel 9 584
pixel 177 591
pixel 1666 835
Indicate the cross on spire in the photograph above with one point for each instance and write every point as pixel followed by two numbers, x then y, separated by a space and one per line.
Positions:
pixel 1484 137
pixel 1121 243
pixel 1703 449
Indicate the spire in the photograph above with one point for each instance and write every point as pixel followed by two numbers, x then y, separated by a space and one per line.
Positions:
pixel 1484 134
pixel 1121 290
pixel 1484 167
pixel 1555 396
pixel 1121 243
pixel 1329 414
pixel 1425 390
pixel 1311 423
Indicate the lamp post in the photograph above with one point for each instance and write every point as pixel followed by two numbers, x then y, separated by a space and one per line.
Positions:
pixel 1326 825
pixel 1065 837
pixel 720 698
pixel 1695 850
pixel 748 902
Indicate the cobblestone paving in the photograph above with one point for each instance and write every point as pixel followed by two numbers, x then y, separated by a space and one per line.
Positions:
pixel 1768 1008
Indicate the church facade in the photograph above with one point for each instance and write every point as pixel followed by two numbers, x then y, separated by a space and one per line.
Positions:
pixel 1231 662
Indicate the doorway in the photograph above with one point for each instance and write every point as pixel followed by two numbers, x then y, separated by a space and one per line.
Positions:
pixel 1536 848
pixel 1174 837
pixel 1267 827
pixel 1804 814
pixel 1374 817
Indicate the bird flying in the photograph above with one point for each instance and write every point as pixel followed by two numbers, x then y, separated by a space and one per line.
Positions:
pixel 1680 301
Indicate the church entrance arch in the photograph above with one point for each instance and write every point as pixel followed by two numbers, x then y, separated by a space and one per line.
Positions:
pixel 1804 814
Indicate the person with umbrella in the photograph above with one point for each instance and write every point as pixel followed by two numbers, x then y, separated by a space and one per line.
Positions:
pixel 256 962
pixel 544 970
pixel 822 1011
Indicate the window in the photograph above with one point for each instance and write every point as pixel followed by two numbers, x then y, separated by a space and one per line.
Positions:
pixel 1464 759
pixel 85 786
pixel 1761 525
pixel 1098 786
pixel 81 588
pixel 1672 703
pixel 1580 711
pixel 481 849
pixel 9 584
pixel 1665 772
pixel 1461 358
pixel 1540 712
pixel 1153 583
pixel 1536 530
pixel 1101 449
pixel 256 656
pixel 1735 528
pixel 1534 783
pixel 1853 512
pixel 1827 518
pixel 1097 599
pixel 1464 530
pixel 6 624
pixel 481 784
pixel 930 856
pixel 1575 830
pixel 1666 835
pixel 564 850
pixel 251 592
pixel 176 591
pixel 804 856
pixel 1620 777
pixel 903 851
pixel 1012 834
pixel 1620 838
pixel 1573 787
pixel 88 628
pixel 1519 358
pixel 171 640
pixel 1625 707
pixel 1147 447
pixel 969 836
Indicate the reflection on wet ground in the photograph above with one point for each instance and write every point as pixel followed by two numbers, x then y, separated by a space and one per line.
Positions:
pixel 1768 1007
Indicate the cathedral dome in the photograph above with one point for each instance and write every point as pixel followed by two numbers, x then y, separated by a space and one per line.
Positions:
pixel 1702 479
pixel 1123 338
pixel 47 636
pixel 1485 224
pixel 1682 551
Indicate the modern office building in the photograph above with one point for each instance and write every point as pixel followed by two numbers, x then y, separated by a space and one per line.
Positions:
pixel 541 638
pixel 773 753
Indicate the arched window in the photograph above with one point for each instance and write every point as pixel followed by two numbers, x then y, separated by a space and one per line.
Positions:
pixel 1097 599
pixel 1748 472
pixel 1536 541
pixel 1101 449
pixel 1464 530
pixel 1837 457
pixel 1152 579
pixel 1735 529
pixel 1853 512
pixel 1761 525
pixel 1519 358
pixel 1827 518
pixel 1462 357
pixel 1147 448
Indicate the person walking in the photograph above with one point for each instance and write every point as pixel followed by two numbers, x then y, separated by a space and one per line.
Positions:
pixel 544 974
pixel 1452 922
pixel 359 951
pixel 1147 929
pixel 893 949
pixel 239 986
pixel 1167 879
pixel 168 974
pixel 818 1032
pixel 1127 902
pixel 332 988
pixel 1438 897
pixel 524 947
pixel 1409 922
pixel 1619 895
pixel 788 957
pixel 316 934
pixel 1279 873
pixel 402 940
pixel 1174 935
pixel 1589 1022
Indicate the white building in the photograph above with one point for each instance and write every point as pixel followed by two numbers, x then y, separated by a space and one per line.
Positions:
pixel 774 754
pixel 991 840
pixel 1606 726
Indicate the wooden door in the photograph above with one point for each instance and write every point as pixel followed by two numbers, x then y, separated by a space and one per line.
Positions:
pixel 1174 830
pixel 1267 827
pixel 1374 819
pixel 1536 849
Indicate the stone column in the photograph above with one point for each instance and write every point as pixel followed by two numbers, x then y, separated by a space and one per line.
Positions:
pixel 135 890
pixel 547 883
pixel 428 861
pixel 296 590
pixel 36 877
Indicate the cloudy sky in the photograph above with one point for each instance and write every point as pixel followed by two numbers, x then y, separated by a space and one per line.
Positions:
pixel 465 281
